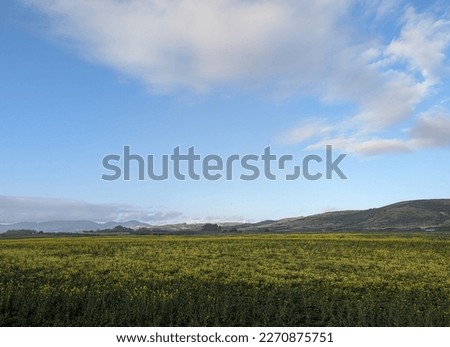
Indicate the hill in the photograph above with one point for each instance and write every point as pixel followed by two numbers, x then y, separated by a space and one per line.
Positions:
pixel 416 215
pixel 407 215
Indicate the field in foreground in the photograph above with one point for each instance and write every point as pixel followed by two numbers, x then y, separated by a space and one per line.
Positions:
pixel 248 280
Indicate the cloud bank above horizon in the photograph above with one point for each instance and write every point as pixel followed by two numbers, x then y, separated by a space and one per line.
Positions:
pixel 14 209
pixel 338 52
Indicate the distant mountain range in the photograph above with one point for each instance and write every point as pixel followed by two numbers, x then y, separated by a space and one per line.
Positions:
pixel 428 215
pixel 70 226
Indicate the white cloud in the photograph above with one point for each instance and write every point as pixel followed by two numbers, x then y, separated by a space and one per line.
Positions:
pixel 305 130
pixel 286 46
pixel 422 43
pixel 361 146
pixel 388 93
pixel 34 209
pixel 200 44
pixel 431 130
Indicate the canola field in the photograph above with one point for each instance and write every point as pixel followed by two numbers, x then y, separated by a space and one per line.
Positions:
pixel 226 280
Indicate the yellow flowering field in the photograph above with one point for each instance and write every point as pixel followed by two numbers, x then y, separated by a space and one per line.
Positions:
pixel 226 280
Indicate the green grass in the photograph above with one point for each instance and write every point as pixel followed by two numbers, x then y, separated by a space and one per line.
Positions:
pixel 248 280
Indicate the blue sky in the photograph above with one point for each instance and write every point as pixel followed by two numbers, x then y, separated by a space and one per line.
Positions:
pixel 82 79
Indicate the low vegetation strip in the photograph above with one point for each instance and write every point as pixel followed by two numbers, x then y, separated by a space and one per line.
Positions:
pixel 229 280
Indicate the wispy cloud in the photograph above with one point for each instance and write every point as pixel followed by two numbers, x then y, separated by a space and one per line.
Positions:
pixel 35 209
pixel 422 44
pixel 388 83
pixel 431 129
pixel 288 47
pixel 310 128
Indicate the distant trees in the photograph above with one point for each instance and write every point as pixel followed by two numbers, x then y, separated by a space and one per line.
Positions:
pixel 21 232
pixel 120 229
pixel 211 227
